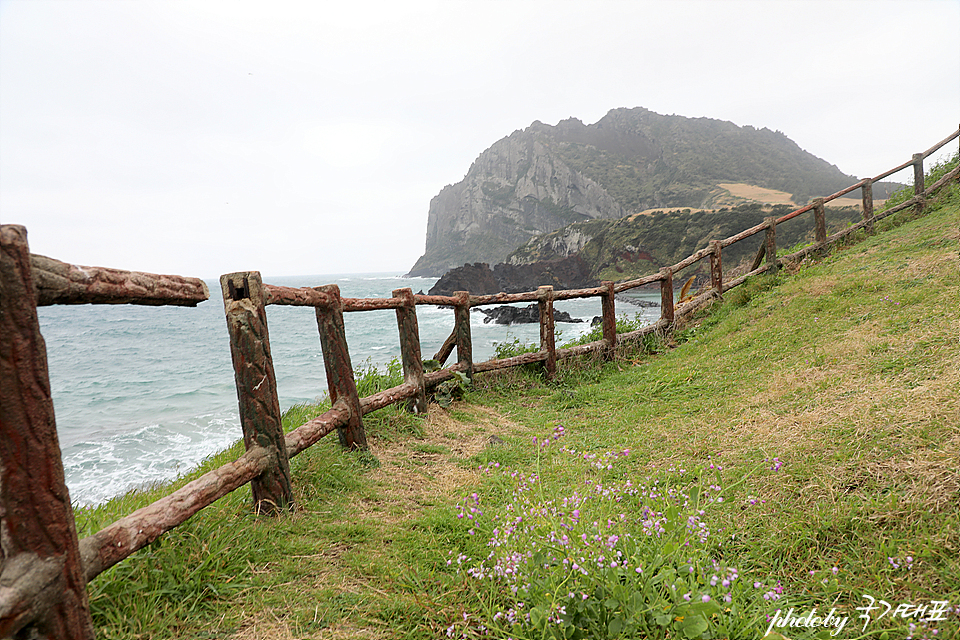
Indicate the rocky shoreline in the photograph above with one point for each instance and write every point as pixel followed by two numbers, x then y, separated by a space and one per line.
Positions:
pixel 479 279
pixel 522 315
pixel 636 301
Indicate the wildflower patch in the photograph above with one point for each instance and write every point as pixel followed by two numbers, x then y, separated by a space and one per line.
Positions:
pixel 610 557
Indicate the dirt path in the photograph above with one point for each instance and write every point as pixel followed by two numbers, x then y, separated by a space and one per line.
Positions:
pixel 416 469
pixel 413 472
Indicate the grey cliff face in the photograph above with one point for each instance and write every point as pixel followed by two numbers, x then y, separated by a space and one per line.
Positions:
pixel 546 177
pixel 516 190
pixel 562 243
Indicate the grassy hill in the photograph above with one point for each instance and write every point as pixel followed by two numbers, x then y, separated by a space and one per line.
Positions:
pixel 646 159
pixel 821 405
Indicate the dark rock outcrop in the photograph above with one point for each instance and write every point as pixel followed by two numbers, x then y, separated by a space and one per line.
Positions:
pixel 522 315
pixel 476 278
pixel 479 279
pixel 636 301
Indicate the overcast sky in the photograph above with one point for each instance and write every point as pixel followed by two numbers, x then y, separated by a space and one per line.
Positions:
pixel 299 138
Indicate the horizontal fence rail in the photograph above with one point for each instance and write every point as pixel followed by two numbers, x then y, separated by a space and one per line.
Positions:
pixel 45 567
pixel 57 282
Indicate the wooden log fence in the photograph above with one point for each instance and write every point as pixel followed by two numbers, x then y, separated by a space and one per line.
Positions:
pixel 410 356
pixel 45 567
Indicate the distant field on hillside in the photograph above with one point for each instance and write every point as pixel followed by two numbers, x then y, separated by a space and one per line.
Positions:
pixel 754 193
pixel 758 194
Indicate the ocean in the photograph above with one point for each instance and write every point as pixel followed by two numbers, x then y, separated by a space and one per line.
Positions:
pixel 144 394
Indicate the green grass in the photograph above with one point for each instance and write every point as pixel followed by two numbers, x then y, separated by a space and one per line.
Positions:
pixel 845 371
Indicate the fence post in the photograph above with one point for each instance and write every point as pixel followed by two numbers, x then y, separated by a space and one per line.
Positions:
pixel 716 267
pixel 918 188
pixel 461 321
pixel 820 220
pixel 666 294
pixel 918 174
pixel 244 305
pixel 547 335
pixel 770 243
pixel 336 362
pixel 410 349
pixel 609 311
pixel 866 193
pixel 43 583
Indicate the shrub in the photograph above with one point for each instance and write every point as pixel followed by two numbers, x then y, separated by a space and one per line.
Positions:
pixel 625 324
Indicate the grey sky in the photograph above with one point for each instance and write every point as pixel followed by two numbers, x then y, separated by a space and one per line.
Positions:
pixel 298 138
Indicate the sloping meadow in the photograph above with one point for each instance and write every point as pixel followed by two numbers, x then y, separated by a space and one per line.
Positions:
pixel 785 462
pixel 788 464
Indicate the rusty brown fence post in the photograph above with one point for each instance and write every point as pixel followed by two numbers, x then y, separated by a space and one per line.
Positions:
pixel 820 221
pixel 666 294
pixel 461 324
pixel 548 336
pixel 42 584
pixel 866 195
pixel 918 187
pixel 410 349
pixel 244 305
pixel 716 267
pixel 608 310
pixel 770 244
pixel 336 361
pixel 918 174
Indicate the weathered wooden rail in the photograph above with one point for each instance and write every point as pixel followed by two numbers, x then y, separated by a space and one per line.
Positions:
pixel 45 567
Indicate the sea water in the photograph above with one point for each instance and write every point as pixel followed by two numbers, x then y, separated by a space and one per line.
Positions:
pixel 144 394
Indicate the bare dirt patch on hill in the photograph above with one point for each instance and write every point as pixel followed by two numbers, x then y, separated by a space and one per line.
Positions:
pixel 758 194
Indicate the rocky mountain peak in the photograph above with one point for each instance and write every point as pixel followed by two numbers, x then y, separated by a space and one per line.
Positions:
pixel 544 177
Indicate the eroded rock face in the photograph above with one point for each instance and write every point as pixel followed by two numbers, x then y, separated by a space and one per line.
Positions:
pixel 517 189
pixel 479 279
pixel 563 242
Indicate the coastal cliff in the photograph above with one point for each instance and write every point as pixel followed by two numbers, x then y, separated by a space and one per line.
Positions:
pixel 516 190
pixel 544 178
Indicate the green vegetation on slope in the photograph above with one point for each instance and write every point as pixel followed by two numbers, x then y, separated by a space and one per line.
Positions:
pixel 647 160
pixel 639 245
pixel 827 396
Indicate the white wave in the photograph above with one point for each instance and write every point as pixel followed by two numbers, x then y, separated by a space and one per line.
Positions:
pixel 98 471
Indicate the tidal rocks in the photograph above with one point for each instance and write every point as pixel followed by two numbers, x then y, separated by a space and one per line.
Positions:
pixel 522 315
pixel 479 279
pixel 636 301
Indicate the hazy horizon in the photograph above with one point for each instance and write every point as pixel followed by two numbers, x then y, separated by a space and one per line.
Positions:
pixel 205 137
